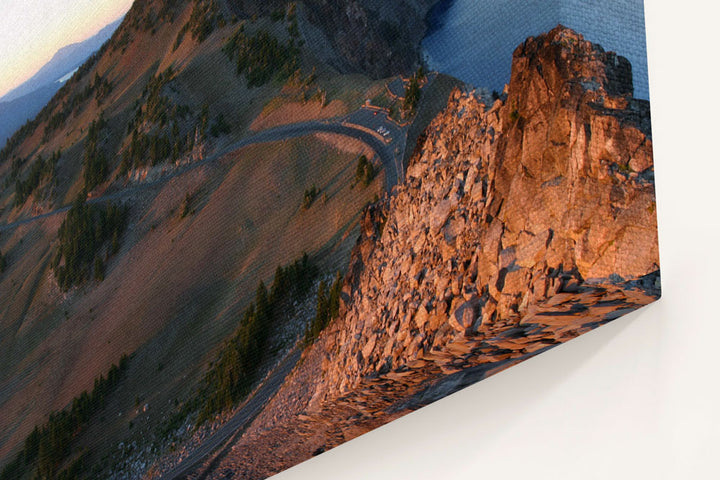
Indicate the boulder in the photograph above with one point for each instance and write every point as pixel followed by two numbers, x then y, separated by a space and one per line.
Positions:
pixel 464 316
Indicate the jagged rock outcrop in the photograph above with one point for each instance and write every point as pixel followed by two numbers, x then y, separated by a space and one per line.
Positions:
pixel 519 227
pixel 546 192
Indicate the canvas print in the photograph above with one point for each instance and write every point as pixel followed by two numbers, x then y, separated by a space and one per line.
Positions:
pixel 235 234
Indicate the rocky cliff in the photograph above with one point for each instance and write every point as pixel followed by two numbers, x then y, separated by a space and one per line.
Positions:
pixel 520 226
pixel 375 37
pixel 525 214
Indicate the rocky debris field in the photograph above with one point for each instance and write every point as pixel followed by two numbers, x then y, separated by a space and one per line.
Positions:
pixel 152 460
pixel 520 226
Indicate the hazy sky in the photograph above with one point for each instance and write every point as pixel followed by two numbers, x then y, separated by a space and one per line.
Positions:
pixel 31 31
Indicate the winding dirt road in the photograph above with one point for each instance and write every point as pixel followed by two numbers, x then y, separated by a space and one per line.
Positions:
pixel 363 125
pixel 359 125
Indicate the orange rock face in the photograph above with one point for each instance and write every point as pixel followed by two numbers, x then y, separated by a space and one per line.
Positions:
pixel 549 191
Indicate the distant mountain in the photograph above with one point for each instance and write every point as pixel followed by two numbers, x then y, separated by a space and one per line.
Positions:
pixel 25 101
pixel 66 60
pixel 15 113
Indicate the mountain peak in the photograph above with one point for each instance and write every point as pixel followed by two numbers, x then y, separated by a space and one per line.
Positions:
pixel 562 64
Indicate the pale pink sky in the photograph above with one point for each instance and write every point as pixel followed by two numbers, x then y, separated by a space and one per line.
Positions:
pixel 32 31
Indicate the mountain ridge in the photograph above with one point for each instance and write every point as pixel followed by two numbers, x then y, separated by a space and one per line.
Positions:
pixel 64 61
pixel 25 101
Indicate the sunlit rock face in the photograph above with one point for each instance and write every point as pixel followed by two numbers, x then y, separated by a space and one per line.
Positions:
pixel 547 192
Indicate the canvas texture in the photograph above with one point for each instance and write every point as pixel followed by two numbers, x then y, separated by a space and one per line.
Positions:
pixel 242 233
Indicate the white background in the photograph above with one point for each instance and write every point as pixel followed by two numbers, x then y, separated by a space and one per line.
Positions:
pixel 638 398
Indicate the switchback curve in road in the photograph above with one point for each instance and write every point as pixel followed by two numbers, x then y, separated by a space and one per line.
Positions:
pixel 387 152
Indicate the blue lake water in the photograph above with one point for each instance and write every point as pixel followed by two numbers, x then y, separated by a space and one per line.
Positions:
pixel 473 40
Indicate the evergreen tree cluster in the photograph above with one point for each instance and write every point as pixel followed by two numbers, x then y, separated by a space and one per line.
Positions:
pixel 99 87
pixel 158 147
pixel 157 105
pixel 412 93
pixel 278 15
pixel 292 24
pixel 157 128
pixel 233 373
pixel 261 57
pixel 204 119
pixel 83 235
pixel 309 196
pixel 204 19
pixel 102 88
pixel 328 308
pixel 150 149
pixel 49 445
pixel 146 16
pixel 95 164
pixel 15 168
pixel 41 170
pixel 220 127
pixel 365 171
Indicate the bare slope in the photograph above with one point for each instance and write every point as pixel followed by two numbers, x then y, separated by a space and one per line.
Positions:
pixel 176 284
pixel 175 289
pixel 55 343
